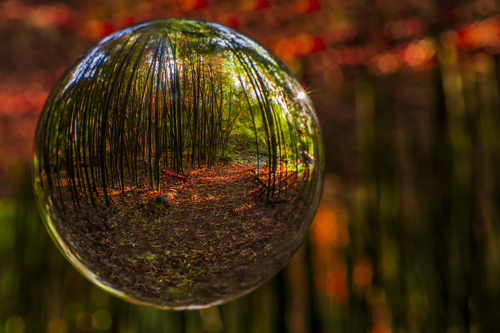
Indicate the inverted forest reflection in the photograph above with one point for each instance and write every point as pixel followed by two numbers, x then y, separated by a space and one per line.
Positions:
pixel 406 237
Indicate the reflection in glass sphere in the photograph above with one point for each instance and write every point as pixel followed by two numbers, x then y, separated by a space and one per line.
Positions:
pixel 178 164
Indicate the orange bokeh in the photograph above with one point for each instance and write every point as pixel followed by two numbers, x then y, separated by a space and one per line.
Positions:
pixel 362 273
pixel 329 229
pixel 336 286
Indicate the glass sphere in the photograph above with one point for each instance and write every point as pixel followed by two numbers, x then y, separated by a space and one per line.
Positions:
pixel 178 164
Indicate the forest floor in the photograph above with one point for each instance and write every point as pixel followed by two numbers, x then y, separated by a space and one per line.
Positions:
pixel 214 238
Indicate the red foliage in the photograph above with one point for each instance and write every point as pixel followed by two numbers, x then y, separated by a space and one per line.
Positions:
pixel 312 6
pixel 262 4
pixel 200 4
pixel 107 28
pixel 318 45
pixel 232 22
pixel 128 21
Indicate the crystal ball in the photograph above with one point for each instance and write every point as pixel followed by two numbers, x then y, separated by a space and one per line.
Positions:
pixel 178 164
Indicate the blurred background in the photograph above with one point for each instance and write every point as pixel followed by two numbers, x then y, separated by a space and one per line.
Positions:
pixel 407 236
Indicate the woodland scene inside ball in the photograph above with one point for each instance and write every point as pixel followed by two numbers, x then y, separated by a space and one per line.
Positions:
pixel 178 164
